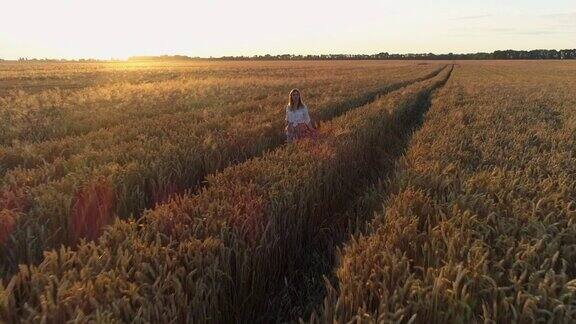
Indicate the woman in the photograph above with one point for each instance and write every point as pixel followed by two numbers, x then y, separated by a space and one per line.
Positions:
pixel 298 121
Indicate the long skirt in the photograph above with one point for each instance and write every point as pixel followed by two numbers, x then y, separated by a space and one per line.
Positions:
pixel 302 130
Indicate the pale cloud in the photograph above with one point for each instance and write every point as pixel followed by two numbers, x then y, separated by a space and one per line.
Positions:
pixel 567 17
pixel 563 21
pixel 472 17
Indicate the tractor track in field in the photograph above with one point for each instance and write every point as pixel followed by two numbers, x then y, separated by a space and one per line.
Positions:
pixel 304 290
pixel 403 115
pixel 278 139
pixel 274 140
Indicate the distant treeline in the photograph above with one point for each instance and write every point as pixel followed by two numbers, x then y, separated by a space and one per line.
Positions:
pixel 539 54
pixel 497 55
pixel 165 58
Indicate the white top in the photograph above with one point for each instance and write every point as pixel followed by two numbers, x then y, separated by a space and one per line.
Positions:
pixel 297 116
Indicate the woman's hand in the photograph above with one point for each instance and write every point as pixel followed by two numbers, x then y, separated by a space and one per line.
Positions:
pixel 314 121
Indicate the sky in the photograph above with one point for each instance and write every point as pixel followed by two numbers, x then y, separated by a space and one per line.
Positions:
pixel 106 29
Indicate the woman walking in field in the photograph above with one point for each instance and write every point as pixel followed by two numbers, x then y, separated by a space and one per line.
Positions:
pixel 298 121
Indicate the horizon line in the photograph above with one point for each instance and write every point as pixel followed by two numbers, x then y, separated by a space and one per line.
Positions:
pixel 273 55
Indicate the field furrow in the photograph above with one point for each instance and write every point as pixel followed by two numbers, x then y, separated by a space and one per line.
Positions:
pixel 480 226
pixel 219 253
pixel 62 202
pixel 56 113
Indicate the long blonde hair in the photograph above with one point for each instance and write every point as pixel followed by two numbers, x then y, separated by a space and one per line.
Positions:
pixel 291 101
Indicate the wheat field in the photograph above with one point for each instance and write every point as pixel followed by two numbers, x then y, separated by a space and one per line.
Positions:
pixel 436 191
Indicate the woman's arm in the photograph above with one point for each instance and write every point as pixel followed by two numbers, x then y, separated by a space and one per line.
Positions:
pixel 289 127
pixel 311 119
